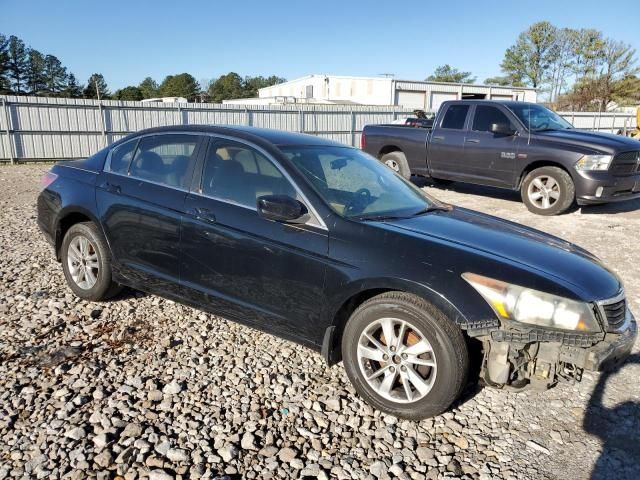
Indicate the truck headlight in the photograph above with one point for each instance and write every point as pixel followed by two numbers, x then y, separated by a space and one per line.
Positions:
pixel 525 305
pixel 594 162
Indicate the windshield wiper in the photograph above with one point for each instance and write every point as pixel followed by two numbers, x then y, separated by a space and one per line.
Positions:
pixel 382 217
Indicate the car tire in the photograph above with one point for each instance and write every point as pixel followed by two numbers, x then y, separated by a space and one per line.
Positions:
pixel 397 161
pixel 86 263
pixel 548 191
pixel 441 367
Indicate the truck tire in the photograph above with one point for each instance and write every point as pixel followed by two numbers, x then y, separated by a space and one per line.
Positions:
pixel 548 191
pixel 397 161
pixel 404 356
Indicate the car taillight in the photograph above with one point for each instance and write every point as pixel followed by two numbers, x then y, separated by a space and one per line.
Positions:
pixel 47 179
pixel 363 141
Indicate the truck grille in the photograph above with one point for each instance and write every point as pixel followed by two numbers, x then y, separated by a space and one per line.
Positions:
pixel 615 313
pixel 626 163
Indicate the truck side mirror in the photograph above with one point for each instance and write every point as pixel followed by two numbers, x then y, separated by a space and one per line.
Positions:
pixel 501 129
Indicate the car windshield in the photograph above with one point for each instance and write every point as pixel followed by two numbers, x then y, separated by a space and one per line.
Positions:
pixel 538 118
pixel 356 185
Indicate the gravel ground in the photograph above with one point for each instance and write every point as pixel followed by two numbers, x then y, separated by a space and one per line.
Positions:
pixel 142 387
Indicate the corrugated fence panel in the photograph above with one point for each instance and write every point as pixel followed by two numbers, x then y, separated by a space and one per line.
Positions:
pixel 42 128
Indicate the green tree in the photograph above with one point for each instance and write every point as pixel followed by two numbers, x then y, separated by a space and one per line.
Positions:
pixel 55 75
pixel 96 87
pixel 251 85
pixel 72 89
pixel 626 91
pixel 227 87
pixel 181 85
pixel 35 80
pixel 618 63
pixel 504 81
pixel 447 73
pixel 4 64
pixel 17 64
pixel 588 53
pixel 129 93
pixel 531 57
pixel 149 88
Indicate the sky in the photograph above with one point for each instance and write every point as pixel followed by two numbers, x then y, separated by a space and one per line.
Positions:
pixel 129 40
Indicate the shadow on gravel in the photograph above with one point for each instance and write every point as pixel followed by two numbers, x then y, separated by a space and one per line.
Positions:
pixel 618 428
pixel 612 208
pixel 499 193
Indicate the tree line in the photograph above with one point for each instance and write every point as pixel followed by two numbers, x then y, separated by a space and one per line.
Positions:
pixel 26 71
pixel 577 69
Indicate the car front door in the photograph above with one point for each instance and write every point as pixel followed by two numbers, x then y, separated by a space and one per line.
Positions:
pixel 257 271
pixel 140 196
pixel 490 157
pixel 446 148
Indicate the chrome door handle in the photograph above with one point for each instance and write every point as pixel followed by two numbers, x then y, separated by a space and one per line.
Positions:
pixel 438 137
pixel 203 214
pixel 472 140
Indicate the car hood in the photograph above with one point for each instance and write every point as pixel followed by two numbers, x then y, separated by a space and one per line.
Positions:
pixel 526 246
pixel 600 142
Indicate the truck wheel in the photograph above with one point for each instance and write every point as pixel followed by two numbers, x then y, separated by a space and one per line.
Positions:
pixel 397 161
pixel 86 263
pixel 404 356
pixel 548 191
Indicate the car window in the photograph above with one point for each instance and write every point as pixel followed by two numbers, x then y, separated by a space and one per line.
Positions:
pixel 240 174
pixel 455 116
pixel 355 184
pixel 121 157
pixel 486 115
pixel 164 159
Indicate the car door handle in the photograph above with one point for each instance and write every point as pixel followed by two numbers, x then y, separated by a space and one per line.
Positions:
pixel 438 138
pixel 203 214
pixel 113 188
pixel 472 140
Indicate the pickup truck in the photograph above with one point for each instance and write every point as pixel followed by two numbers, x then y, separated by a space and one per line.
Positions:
pixel 514 145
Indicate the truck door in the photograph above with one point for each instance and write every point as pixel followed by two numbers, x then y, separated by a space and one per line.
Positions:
pixel 446 149
pixel 490 157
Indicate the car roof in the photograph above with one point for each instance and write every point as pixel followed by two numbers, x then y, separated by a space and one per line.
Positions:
pixel 272 136
pixel 507 103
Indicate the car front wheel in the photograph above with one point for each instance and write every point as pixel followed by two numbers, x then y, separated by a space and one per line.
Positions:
pixel 86 263
pixel 404 356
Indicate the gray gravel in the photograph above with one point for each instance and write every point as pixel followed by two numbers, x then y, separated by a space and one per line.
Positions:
pixel 142 387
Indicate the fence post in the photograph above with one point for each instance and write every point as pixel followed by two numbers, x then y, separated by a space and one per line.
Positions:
pixel 300 121
pixel 7 119
pixel 103 123
pixel 352 128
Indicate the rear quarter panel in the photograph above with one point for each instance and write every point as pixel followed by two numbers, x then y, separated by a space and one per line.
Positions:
pixel 409 140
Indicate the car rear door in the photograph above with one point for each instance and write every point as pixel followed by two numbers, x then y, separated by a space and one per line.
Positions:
pixel 257 271
pixel 490 157
pixel 140 196
pixel 446 148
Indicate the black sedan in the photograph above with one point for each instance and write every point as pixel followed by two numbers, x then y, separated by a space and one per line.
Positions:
pixel 322 244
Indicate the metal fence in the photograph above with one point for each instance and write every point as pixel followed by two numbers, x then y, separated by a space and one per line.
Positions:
pixel 42 128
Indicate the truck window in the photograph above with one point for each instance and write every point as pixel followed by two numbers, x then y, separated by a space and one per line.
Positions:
pixel 455 116
pixel 486 115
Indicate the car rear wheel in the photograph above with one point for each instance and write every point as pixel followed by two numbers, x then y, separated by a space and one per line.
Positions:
pixel 548 191
pixel 87 264
pixel 404 356
pixel 397 161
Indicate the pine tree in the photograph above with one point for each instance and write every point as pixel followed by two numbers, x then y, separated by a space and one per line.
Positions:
pixel 35 79
pixel 55 75
pixel 17 65
pixel 4 64
pixel 96 87
pixel 72 89
pixel 149 88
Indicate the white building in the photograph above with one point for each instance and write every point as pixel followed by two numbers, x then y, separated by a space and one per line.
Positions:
pixel 335 89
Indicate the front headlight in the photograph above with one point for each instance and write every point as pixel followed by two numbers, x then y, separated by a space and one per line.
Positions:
pixel 525 305
pixel 594 162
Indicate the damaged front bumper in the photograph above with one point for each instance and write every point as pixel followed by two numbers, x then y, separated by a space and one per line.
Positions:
pixel 539 358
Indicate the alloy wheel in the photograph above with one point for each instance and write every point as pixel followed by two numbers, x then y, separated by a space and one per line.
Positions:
pixel 82 259
pixel 396 360
pixel 543 191
pixel 393 165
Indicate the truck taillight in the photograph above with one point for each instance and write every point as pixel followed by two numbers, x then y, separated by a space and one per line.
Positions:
pixel 47 179
pixel 363 141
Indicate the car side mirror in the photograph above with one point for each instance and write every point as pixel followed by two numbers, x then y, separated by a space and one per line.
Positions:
pixel 281 208
pixel 501 129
